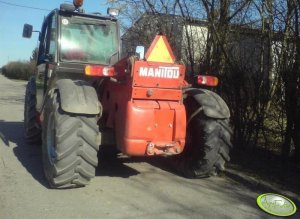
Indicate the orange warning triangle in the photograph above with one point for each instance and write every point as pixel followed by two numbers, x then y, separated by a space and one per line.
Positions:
pixel 160 51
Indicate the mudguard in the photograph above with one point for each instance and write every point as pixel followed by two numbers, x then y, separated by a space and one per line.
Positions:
pixel 212 104
pixel 78 97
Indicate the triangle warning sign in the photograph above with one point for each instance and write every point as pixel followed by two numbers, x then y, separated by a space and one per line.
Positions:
pixel 160 51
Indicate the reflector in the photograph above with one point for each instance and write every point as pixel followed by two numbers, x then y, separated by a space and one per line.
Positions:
pixel 207 80
pixel 160 51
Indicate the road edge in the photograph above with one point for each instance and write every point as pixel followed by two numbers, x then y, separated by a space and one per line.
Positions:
pixel 261 184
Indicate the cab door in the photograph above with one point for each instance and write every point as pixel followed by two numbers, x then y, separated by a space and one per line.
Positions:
pixel 47 57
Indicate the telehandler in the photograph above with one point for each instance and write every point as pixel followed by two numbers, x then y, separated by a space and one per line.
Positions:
pixel 83 96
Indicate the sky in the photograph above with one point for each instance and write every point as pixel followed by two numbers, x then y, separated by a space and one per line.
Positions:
pixel 13 47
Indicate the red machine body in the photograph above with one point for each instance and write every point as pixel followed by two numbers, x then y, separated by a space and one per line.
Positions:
pixel 144 104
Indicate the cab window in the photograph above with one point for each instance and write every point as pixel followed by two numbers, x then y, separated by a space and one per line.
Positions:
pixel 90 41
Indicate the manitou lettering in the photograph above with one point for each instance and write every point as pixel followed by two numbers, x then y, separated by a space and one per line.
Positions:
pixel 160 72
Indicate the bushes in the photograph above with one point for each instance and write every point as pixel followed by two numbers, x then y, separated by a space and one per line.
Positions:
pixel 18 70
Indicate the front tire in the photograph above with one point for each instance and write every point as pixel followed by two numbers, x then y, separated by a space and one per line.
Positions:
pixel 207 145
pixel 32 129
pixel 70 146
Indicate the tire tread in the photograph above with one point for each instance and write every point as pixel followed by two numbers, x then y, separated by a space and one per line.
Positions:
pixel 78 141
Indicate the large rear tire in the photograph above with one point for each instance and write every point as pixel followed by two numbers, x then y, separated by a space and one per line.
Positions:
pixel 32 129
pixel 70 146
pixel 207 145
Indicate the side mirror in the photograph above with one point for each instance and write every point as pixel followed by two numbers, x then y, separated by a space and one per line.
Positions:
pixel 140 50
pixel 27 31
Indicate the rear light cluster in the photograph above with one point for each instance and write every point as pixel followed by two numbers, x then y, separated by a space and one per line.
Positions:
pixel 207 80
pixel 99 70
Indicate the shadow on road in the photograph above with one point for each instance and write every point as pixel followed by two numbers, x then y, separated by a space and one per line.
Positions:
pixel 150 183
pixel 113 164
pixel 30 156
pixel 115 167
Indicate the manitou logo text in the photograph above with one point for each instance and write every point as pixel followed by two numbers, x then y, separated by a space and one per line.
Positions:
pixel 160 72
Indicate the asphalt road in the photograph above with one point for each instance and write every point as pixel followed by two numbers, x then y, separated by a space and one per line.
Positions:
pixel 125 188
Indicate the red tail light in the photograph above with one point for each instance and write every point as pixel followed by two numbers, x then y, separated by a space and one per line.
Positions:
pixel 99 70
pixel 207 80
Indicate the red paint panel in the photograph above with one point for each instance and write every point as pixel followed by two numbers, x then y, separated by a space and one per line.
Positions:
pixel 163 125
pixel 156 94
pixel 146 104
pixel 160 126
